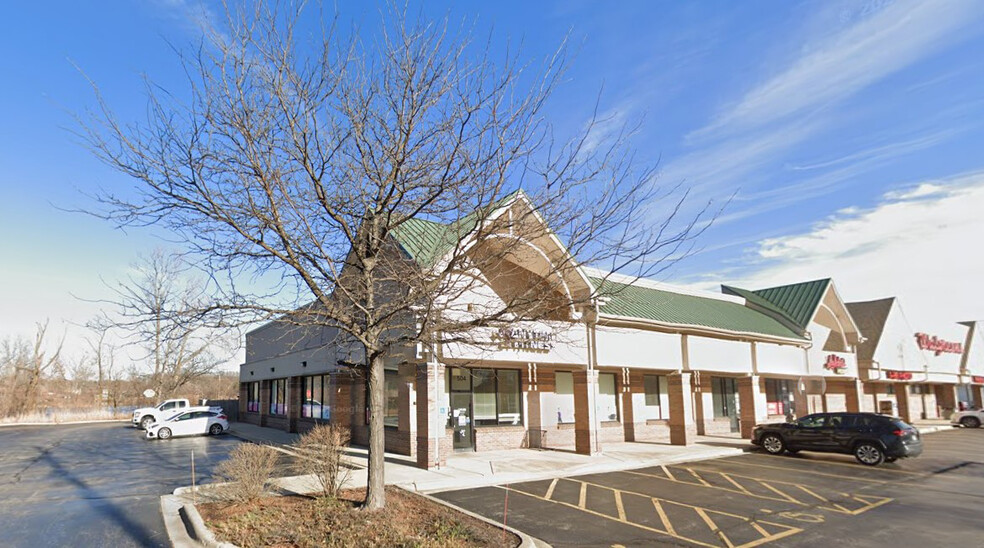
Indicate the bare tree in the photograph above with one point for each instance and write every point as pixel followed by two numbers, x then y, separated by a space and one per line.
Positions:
pixel 26 365
pixel 156 310
pixel 378 185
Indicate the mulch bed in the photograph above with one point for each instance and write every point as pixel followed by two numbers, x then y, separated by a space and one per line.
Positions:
pixel 407 520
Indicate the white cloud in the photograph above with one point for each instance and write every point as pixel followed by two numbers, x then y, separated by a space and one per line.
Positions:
pixel 839 66
pixel 920 244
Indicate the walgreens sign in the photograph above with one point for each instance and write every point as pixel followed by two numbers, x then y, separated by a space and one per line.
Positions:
pixel 937 345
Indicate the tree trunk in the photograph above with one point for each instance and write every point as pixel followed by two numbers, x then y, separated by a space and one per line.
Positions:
pixel 375 490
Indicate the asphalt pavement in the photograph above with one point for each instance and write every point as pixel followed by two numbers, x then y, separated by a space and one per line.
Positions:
pixel 94 484
pixel 755 499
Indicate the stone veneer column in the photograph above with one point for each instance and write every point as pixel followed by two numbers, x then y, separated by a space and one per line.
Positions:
pixel 341 400
pixel 295 399
pixel 854 390
pixel 264 402
pixel 628 411
pixel 585 425
pixel 243 397
pixel 407 415
pixel 534 414
pixel 431 451
pixel 946 398
pixel 683 431
pixel 705 402
pixel 753 405
pixel 902 401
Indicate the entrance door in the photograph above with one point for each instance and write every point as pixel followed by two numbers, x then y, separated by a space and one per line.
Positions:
pixel 461 420
pixel 725 395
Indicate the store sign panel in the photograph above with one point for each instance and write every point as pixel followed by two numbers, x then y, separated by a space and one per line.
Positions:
pixel 835 363
pixel 898 375
pixel 977 380
pixel 937 345
pixel 517 338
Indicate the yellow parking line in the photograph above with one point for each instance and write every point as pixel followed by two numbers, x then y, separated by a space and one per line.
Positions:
pixel 736 484
pixel 743 491
pixel 714 528
pixel 810 472
pixel 618 505
pixel 778 492
pixel 584 495
pixel 700 479
pixel 667 472
pixel 550 489
pixel 663 517
pixel 807 491
pixel 633 524
pixel 855 466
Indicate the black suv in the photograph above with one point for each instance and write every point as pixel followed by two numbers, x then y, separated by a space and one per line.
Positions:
pixel 870 437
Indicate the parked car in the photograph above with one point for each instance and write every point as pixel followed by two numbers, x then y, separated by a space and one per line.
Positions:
pixel 190 422
pixel 870 437
pixel 971 418
pixel 145 416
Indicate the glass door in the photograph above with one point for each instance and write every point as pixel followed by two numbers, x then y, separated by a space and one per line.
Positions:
pixel 725 395
pixel 461 420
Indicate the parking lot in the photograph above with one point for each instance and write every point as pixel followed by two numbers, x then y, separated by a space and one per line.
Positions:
pixel 94 484
pixel 811 499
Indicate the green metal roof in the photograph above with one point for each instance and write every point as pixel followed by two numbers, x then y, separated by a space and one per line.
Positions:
pixel 798 301
pixel 632 301
pixel 427 241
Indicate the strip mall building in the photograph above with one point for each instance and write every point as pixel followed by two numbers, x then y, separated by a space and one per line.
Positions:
pixel 646 362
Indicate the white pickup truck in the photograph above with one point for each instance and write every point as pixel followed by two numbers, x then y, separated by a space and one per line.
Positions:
pixel 145 416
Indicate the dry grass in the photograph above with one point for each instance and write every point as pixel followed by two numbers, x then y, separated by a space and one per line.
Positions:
pixel 407 521
pixel 66 416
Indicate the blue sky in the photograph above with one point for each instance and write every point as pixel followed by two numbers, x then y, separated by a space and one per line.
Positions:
pixel 851 133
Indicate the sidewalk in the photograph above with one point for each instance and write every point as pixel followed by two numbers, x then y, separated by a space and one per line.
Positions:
pixel 469 470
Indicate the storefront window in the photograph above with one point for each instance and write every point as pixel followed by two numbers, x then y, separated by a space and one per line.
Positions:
pixel 563 398
pixel 391 416
pixel 655 388
pixel 607 404
pixel 779 396
pixel 278 397
pixel 723 393
pixel 918 389
pixel 317 391
pixel 510 410
pixel 483 396
pixel 253 397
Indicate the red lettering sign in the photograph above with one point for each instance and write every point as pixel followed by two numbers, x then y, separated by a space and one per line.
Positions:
pixel 898 375
pixel 937 345
pixel 978 380
pixel 835 363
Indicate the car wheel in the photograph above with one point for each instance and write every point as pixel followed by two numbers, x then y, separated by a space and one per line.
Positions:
pixel 773 444
pixel 164 433
pixel 971 422
pixel 215 429
pixel 869 454
pixel 146 422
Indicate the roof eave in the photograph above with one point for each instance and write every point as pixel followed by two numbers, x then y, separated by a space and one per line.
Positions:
pixel 700 330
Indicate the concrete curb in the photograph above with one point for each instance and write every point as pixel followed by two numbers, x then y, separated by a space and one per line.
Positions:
pixel 199 531
pixel 525 541
pixel 96 421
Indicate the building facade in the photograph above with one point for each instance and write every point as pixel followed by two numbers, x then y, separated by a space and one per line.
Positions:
pixel 643 362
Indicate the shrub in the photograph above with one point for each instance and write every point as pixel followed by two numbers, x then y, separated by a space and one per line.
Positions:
pixel 321 452
pixel 247 471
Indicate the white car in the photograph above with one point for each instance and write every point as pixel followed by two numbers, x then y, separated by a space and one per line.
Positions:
pixel 190 422
pixel 972 418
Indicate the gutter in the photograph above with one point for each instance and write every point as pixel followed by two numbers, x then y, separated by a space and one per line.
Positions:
pixel 699 330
